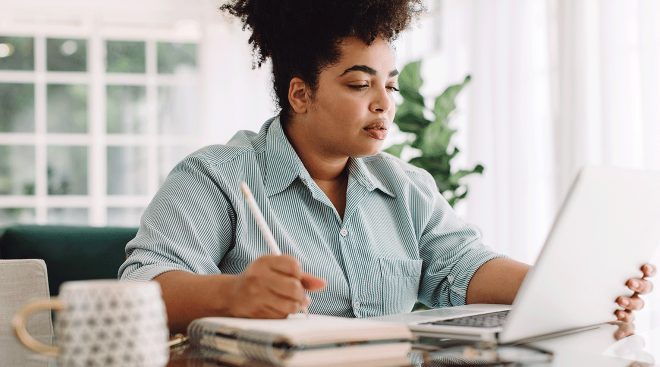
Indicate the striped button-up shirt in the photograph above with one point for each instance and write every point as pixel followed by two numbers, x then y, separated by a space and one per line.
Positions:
pixel 399 240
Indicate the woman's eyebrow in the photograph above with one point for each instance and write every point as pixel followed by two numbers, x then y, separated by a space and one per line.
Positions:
pixel 368 70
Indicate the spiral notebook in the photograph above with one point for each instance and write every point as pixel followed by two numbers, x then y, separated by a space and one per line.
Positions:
pixel 301 341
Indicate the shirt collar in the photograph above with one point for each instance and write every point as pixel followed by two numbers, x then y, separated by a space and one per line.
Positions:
pixel 283 165
pixel 358 169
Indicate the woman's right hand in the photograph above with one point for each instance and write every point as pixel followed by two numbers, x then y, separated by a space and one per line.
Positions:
pixel 272 287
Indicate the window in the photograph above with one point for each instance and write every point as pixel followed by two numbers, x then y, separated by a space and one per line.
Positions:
pixel 92 120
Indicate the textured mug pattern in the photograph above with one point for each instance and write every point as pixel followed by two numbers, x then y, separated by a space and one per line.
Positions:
pixel 112 324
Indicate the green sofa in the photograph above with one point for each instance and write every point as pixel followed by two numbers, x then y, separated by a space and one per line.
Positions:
pixel 70 252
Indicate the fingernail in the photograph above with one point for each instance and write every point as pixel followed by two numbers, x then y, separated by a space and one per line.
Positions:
pixel 634 284
pixel 625 302
pixel 308 300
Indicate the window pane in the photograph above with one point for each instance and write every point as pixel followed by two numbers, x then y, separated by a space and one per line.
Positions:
pixel 66 54
pixel 168 157
pixel 67 170
pixel 16 215
pixel 16 53
pixel 126 109
pixel 174 56
pixel 124 217
pixel 69 216
pixel 16 108
pixel 17 170
pixel 67 108
pixel 126 57
pixel 178 112
pixel 127 171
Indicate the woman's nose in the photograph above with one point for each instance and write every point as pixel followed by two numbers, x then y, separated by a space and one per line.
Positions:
pixel 382 102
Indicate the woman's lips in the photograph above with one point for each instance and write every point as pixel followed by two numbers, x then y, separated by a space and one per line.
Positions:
pixel 378 132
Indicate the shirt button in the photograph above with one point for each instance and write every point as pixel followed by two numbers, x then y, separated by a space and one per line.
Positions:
pixel 356 304
pixel 343 232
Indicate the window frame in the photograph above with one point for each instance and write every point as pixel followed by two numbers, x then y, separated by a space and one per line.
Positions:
pixel 96 139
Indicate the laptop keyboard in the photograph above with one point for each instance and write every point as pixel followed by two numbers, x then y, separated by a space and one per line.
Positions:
pixel 493 319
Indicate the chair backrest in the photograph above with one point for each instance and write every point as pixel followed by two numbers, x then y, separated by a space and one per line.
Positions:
pixel 22 281
pixel 71 252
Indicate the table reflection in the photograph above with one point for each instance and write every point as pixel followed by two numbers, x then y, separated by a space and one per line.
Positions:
pixel 593 347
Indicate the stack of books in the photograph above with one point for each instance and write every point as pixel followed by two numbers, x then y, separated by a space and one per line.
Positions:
pixel 301 341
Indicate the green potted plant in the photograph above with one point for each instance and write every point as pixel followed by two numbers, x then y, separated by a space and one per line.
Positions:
pixel 432 138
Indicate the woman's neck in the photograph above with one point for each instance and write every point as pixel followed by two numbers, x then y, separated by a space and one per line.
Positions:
pixel 320 165
pixel 329 172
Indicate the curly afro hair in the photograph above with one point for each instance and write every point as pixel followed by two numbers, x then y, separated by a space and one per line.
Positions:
pixel 302 37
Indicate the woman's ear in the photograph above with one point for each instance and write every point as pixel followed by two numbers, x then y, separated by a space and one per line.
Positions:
pixel 298 98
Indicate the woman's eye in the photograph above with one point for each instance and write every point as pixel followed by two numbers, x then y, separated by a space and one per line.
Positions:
pixel 393 88
pixel 359 86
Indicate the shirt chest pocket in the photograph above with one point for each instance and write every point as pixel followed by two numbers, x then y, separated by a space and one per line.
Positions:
pixel 399 284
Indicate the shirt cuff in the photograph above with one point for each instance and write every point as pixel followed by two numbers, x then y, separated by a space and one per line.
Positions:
pixel 137 272
pixel 462 273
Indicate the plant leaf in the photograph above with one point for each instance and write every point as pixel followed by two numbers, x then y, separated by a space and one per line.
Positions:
pixel 436 138
pixel 432 138
pixel 410 117
pixel 456 176
pixel 410 80
pixel 444 104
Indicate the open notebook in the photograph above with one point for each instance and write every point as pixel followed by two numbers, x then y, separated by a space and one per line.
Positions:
pixel 301 341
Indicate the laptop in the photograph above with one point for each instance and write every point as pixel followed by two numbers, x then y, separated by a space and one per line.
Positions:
pixel 606 229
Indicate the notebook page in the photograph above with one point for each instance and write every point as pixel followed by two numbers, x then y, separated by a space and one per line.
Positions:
pixel 318 329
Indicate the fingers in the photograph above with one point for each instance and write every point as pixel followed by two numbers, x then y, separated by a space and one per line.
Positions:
pixel 284 264
pixel 312 283
pixel 625 315
pixel 630 303
pixel 274 307
pixel 649 270
pixel 625 329
pixel 280 275
pixel 288 288
pixel 641 286
pixel 273 287
pixel 257 297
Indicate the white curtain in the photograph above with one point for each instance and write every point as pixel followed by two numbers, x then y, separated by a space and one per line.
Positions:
pixel 606 92
pixel 504 118
pixel 556 84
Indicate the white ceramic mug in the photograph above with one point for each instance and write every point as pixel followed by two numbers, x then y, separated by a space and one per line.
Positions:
pixel 103 323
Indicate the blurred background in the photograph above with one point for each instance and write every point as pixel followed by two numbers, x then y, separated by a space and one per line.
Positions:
pixel 100 99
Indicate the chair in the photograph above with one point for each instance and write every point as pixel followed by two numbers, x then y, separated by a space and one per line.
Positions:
pixel 22 281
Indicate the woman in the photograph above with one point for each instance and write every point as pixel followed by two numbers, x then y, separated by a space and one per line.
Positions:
pixel 367 233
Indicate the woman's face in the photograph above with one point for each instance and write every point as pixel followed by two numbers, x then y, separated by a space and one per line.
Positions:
pixel 353 106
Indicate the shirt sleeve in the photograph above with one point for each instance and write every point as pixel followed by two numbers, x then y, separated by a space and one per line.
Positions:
pixel 451 252
pixel 187 226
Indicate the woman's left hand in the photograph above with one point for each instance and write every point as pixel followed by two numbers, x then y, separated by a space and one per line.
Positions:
pixel 634 303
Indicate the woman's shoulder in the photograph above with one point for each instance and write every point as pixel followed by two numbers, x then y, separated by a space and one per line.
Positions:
pixel 395 165
pixel 243 143
pixel 396 173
